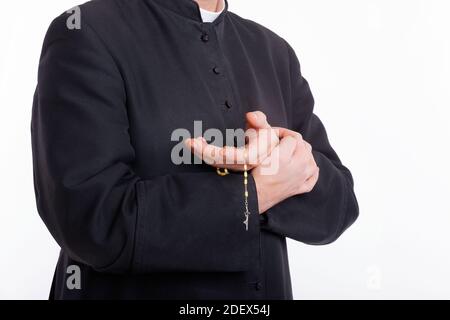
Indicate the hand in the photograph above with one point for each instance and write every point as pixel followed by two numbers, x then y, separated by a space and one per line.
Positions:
pixel 297 172
pixel 262 139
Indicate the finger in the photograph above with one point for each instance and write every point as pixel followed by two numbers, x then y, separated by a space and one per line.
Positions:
pixel 233 156
pixel 308 146
pixel 207 152
pixel 188 143
pixel 300 150
pixel 226 157
pixel 311 168
pixel 311 182
pixel 257 120
pixel 240 156
pixel 250 134
pixel 283 132
pixel 256 151
pixel 287 147
pixel 194 145
pixel 260 146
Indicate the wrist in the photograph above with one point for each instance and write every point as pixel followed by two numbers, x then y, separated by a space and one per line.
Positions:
pixel 268 194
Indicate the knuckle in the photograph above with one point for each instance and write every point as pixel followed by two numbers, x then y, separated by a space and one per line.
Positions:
pixel 291 141
pixel 308 145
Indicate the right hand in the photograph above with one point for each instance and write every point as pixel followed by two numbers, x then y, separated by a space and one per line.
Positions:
pixel 293 171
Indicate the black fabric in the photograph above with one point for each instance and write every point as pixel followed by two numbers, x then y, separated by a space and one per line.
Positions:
pixel 140 227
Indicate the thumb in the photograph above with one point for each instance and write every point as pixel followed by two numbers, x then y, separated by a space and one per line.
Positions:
pixel 257 120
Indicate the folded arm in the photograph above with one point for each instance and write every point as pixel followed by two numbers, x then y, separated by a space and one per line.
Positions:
pixel 101 212
pixel 323 214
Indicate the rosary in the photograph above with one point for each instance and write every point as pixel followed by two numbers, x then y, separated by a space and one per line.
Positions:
pixel 247 211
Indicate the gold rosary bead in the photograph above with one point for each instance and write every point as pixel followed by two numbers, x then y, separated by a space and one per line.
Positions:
pixel 223 172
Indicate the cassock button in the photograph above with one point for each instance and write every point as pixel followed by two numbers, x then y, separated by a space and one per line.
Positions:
pixel 228 104
pixel 216 70
pixel 205 37
pixel 258 286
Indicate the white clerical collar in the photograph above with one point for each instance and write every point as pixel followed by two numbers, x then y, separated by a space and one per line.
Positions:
pixel 210 16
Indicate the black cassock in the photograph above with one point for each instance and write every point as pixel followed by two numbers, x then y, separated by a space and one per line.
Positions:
pixel 108 98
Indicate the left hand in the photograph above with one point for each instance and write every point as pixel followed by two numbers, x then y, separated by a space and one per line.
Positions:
pixel 262 139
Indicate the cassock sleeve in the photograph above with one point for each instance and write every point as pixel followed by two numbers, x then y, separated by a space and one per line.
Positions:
pixel 321 216
pixel 99 211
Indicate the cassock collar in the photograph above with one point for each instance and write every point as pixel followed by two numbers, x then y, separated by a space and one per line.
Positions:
pixel 188 9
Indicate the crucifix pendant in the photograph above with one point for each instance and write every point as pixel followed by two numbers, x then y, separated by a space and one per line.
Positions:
pixel 246 220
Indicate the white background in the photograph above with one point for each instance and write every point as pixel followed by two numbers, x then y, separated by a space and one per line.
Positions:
pixel 380 72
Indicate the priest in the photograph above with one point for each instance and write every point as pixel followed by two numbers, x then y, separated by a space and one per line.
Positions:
pixel 131 221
